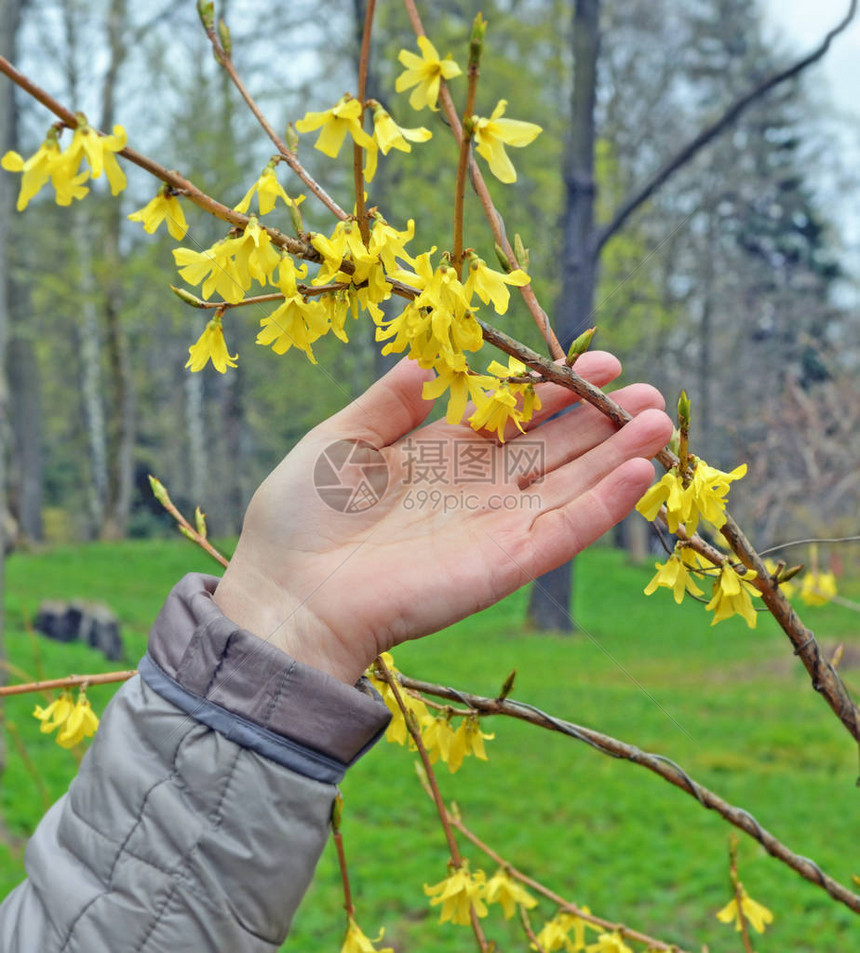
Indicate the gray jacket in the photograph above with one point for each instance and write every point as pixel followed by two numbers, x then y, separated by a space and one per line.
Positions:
pixel 200 811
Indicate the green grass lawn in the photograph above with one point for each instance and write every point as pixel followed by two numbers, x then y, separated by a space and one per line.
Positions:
pixel 731 705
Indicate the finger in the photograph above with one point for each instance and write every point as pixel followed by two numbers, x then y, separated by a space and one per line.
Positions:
pixel 561 533
pixel 642 437
pixel 568 437
pixel 597 367
pixel 388 409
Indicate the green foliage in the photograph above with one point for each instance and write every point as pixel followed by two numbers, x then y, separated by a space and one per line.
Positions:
pixel 733 707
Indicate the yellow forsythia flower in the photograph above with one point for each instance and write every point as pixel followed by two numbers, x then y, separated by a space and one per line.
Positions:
pixel 268 189
pixel 256 257
pixel 48 162
pixel 56 713
pixel 215 267
pixel 755 914
pixel 462 384
pixel 98 152
pixel 81 723
pixel 493 134
pixel 387 135
pixel 468 739
pixel 490 285
pixel 503 889
pixel 211 346
pixel 609 943
pixel 164 207
pixel 425 73
pixel 705 496
pixel 397 732
pixel 458 893
pixel 356 942
pixel 731 596
pixel 76 721
pixel 674 574
pixel 817 588
pixel 344 117
pixel 555 933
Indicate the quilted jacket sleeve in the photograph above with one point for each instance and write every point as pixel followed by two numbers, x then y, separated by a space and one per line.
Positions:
pixel 200 810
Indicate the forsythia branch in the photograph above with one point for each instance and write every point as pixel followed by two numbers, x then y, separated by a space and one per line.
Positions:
pixel 655 763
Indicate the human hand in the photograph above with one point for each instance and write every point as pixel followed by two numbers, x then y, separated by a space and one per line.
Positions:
pixel 334 589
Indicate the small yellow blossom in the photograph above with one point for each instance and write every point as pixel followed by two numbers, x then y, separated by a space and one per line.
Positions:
pixel 708 489
pixel 387 135
pixel 268 189
pixel 55 715
pixel 425 73
pixel 490 285
pixel 468 739
pixel 438 738
pixel 397 732
pixel 555 933
pixel 817 588
pixel 493 134
pixel 609 943
pixel 669 490
pixel 211 346
pixel 344 117
pixel 755 914
pixel 731 596
pixel 215 267
pixel 48 162
pixel 463 385
pixel 674 574
pixel 503 889
pixel 81 723
pixel 458 893
pixel 255 255
pixel 164 207
pixel 99 152
pixel 356 942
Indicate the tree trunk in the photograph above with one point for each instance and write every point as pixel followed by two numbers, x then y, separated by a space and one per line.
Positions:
pixel 551 595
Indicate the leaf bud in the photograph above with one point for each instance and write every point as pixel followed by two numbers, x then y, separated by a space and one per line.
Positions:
pixel 580 346
pixel 521 252
pixel 507 687
pixel 675 441
pixel 187 297
pixel 292 138
pixel 337 813
pixel 187 533
pixel 838 652
pixel 224 33
pixel 200 522
pixel 296 218
pixel 790 573
pixel 502 258
pixel 684 410
pixel 159 491
pixel 206 12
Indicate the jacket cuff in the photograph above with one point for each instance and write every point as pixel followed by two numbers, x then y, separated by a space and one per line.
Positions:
pixel 240 685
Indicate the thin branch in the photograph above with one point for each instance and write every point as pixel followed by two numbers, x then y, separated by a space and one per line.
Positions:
pixel 630 204
pixel 70 681
pixel 286 153
pixel 176 181
pixel 456 858
pixel 825 678
pixel 565 905
pixel 738 889
pixel 495 220
pixel 357 150
pixel 658 764
pixel 466 131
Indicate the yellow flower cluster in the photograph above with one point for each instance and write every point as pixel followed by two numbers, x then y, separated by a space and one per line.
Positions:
pixel 817 588
pixel 76 720
pixel 442 741
pixel 462 890
pixel 556 935
pixel 62 167
pixel 755 914
pixel 704 496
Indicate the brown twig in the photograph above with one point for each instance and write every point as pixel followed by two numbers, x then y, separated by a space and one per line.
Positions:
pixel 357 150
pixel 344 874
pixel 738 889
pixel 176 181
pixel 456 858
pixel 467 128
pixel 825 678
pixel 494 219
pixel 70 681
pixel 565 905
pixel 527 927
pixel 659 765
pixel 284 150
pixel 160 493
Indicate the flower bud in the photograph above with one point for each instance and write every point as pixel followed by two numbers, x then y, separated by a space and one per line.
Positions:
pixel 224 33
pixel 521 252
pixel 580 346
pixel 684 410
pixel 507 687
pixel 206 12
pixel 187 297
